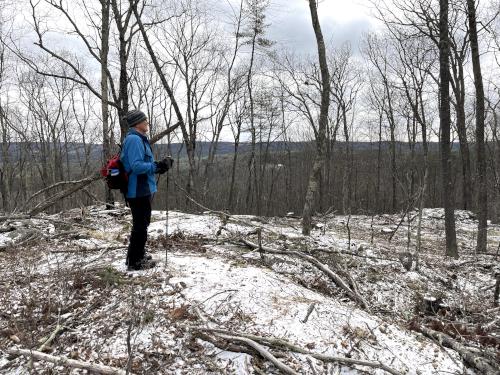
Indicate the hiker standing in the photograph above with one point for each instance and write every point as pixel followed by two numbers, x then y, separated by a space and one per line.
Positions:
pixel 138 161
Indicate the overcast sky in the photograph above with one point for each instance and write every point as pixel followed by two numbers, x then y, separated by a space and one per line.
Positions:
pixel 341 20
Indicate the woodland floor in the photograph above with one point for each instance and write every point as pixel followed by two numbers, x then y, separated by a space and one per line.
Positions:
pixel 64 276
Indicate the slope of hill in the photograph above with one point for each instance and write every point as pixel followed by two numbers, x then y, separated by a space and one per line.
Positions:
pixel 214 305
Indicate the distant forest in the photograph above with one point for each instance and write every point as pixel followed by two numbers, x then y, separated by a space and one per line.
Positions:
pixel 210 78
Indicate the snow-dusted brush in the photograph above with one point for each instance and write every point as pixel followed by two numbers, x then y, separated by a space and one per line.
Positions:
pixel 247 295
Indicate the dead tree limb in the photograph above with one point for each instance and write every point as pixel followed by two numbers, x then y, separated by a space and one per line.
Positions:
pixel 496 293
pixel 77 185
pixel 163 133
pixel 15 217
pixel 322 267
pixel 283 344
pixel 59 329
pixel 51 187
pixel 100 369
pixel 343 252
pixel 229 346
pixel 86 250
pixel 476 361
pixel 309 312
pixel 261 350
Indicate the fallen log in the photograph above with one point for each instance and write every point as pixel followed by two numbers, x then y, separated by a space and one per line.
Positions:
pixel 15 217
pixel 261 350
pixel 229 346
pixel 322 267
pixel 87 250
pixel 472 359
pixel 58 360
pixel 75 186
pixel 283 344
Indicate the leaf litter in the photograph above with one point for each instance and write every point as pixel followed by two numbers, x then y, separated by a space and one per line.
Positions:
pixel 207 279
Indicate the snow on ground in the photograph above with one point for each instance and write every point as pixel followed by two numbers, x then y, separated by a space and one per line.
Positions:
pixel 82 283
pixel 273 306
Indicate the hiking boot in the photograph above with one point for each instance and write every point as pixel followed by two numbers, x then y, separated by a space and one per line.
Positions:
pixel 142 265
pixel 146 257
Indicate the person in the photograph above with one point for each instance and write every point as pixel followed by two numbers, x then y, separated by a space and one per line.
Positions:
pixel 140 166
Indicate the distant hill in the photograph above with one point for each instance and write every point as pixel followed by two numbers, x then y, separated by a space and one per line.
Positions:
pixel 202 148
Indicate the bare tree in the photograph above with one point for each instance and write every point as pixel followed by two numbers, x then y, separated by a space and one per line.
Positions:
pixel 345 85
pixel 445 125
pixel 377 52
pixel 482 200
pixel 323 119
pixel 106 144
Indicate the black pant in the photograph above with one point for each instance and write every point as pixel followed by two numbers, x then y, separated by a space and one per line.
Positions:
pixel 141 217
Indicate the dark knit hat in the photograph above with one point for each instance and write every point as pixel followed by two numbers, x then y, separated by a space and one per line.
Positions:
pixel 134 117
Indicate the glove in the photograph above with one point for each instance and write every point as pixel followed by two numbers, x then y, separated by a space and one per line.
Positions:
pixel 164 165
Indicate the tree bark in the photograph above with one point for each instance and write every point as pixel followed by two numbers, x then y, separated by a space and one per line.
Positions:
pixel 323 120
pixel 458 84
pixel 482 196
pixel 122 25
pixel 106 146
pixel 445 126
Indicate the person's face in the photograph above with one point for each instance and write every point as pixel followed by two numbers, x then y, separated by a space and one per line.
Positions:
pixel 143 127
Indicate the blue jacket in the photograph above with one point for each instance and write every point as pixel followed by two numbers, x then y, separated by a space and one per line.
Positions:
pixel 138 161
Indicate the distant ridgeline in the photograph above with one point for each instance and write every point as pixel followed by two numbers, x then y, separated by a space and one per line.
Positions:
pixel 76 151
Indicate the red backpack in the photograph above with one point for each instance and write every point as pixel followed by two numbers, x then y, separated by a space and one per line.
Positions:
pixel 115 175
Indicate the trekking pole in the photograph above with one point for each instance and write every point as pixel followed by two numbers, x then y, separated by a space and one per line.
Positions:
pixel 166 225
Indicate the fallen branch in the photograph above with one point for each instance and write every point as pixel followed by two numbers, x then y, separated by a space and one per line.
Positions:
pixel 6 229
pixel 82 249
pixel 344 252
pixel 332 275
pixel 15 217
pixel 226 217
pixel 48 188
pixel 283 344
pixel 59 328
pixel 496 293
pixel 58 360
pixel 309 312
pixel 78 185
pixel 476 361
pixel 229 346
pixel 261 350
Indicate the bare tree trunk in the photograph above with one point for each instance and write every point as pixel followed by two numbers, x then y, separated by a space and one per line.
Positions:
pixel 346 180
pixel 445 125
pixel 230 201
pixel 393 160
pixel 106 146
pixel 251 160
pixel 323 122
pixel 465 154
pixel 378 206
pixel 6 165
pixel 496 161
pixel 123 56
pixel 482 197
pixel 458 84
pixel 231 87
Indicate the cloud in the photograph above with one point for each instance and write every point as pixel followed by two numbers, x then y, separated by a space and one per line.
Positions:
pixel 291 27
